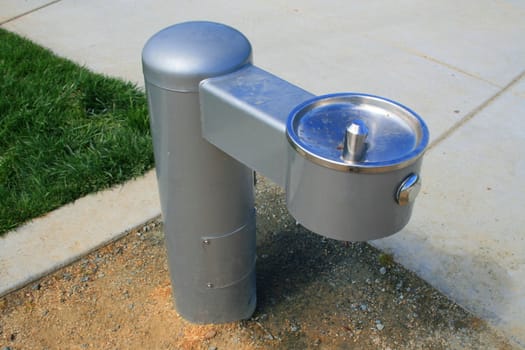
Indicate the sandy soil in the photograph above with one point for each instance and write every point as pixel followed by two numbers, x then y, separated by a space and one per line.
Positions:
pixel 313 293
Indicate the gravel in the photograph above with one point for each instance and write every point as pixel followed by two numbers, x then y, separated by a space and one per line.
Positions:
pixel 312 292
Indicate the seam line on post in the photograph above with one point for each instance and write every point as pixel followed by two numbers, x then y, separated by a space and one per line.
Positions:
pixel 228 234
pixel 245 276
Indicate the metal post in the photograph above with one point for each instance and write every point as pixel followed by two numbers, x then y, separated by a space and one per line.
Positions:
pixel 206 196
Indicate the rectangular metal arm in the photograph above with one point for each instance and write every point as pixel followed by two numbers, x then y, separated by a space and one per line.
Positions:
pixel 244 114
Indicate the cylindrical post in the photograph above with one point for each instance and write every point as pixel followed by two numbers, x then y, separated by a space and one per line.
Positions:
pixel 206 196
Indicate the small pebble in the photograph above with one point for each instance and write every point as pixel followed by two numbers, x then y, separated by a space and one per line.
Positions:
pixel 36 286
pixel 211 334
pixel 294 328
pixel 67 276
pixel 382 270
pixel 363 307
pixel 84 279
pixel 212 348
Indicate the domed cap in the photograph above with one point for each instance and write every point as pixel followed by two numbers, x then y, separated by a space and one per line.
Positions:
pixel 181 56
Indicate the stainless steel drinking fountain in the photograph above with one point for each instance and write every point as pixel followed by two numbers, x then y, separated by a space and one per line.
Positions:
pixel 349 162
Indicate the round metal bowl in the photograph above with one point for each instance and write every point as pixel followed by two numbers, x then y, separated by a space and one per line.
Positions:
pixel 354 163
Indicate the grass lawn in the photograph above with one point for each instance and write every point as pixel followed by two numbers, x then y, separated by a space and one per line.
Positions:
pixel 64 131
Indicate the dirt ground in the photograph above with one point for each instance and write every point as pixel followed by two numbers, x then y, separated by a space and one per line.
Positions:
pixel 313 293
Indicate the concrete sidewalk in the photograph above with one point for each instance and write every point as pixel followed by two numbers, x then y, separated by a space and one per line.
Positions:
pixel 460 65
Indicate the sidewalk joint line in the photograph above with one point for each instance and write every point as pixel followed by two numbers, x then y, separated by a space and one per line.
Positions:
pixel 454 68
pixel 475 111
pixel 28 12
pixel 432 59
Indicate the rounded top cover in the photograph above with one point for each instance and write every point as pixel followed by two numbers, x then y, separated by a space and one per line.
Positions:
pixel 396 136
pixel 179 57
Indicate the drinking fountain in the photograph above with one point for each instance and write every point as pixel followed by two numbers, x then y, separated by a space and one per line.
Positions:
pixel 349 162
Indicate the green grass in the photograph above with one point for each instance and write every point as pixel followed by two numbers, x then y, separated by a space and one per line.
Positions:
pixel 64 131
